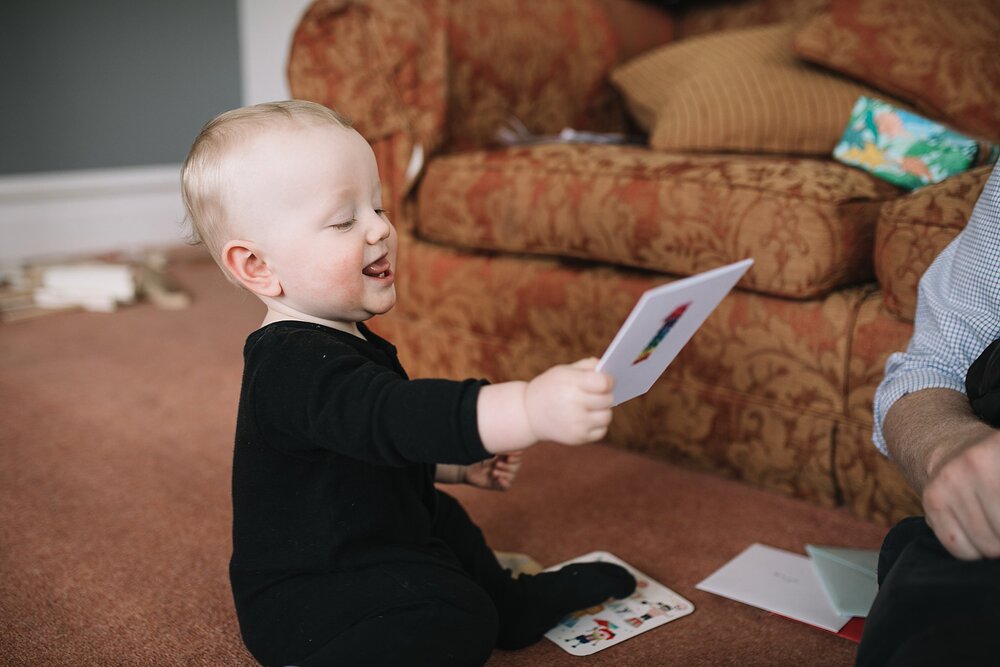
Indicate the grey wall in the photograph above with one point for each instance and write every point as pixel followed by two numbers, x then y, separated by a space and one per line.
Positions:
pixel 111 83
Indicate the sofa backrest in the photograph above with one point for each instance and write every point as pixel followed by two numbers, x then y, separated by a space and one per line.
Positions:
pixel 699 18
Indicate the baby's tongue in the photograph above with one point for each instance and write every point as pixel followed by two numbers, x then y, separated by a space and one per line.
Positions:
pixel 377 267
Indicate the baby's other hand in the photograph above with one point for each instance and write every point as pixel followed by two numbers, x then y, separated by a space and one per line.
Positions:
pixel 570 404
pixel 495 474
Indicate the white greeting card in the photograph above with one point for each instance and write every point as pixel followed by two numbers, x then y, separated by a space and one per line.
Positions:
pixel 776 580
pixel 660 324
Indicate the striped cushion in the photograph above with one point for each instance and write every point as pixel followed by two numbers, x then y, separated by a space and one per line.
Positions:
pixel 739 90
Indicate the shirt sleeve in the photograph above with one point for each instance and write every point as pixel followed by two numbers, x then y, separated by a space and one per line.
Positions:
pixel 316 396
pixel 958 312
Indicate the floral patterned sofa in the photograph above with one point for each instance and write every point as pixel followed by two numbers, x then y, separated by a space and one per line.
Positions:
pixel 516 257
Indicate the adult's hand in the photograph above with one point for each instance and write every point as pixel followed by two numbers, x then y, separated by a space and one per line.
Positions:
pixel 962 498
pixel 952 459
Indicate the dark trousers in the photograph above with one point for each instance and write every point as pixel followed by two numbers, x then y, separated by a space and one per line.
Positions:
pixel 931 608
pixel 427 614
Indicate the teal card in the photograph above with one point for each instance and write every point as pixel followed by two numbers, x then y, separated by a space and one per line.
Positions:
pixel 848 577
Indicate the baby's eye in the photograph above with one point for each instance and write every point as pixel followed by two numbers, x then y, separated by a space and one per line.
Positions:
pixel 343 226
pixel 382 212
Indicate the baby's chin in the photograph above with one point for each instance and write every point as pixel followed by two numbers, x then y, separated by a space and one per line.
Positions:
pixel 382 309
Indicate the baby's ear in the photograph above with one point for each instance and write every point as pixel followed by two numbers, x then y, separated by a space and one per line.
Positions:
pixel 244 262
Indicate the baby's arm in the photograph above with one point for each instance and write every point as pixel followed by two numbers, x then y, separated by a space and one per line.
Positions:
pixel 566 404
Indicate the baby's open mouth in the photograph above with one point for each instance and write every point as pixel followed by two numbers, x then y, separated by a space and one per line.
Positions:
pixel 377 269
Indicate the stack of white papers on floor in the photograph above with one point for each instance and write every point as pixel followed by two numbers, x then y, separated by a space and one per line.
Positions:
pixel 826 590
pixel 93 286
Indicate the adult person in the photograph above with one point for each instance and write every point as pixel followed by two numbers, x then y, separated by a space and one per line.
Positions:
pixel 939 575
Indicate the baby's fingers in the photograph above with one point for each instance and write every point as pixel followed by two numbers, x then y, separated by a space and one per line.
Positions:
pixel 596 401
pixel 596 433
pixel 502 480
pixel 597 383
pixel 506 466
pixel 511 458
pixel 599 418
pixel 588 364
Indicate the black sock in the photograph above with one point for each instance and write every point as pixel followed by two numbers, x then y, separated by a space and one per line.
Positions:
pixel 534 604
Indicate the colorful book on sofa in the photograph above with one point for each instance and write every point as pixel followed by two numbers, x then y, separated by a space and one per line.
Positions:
pixel 905 148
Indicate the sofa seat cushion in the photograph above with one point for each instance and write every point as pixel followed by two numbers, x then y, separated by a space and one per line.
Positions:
pixel 914 229
pixel 808 223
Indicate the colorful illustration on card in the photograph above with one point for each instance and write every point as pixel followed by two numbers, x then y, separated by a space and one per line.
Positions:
pixel 570 620
pixel 668 324
pixel 603 630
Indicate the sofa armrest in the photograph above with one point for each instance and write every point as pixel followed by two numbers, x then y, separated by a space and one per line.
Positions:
pixel 912 231
pixel 382 64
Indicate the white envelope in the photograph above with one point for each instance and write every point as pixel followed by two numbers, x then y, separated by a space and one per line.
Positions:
pixel 776 580
pixel 660 324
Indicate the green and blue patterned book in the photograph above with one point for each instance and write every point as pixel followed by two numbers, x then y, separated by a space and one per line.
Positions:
pixel 906 149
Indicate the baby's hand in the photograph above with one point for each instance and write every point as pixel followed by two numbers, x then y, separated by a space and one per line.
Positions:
pixel 497 473
pixel 570 404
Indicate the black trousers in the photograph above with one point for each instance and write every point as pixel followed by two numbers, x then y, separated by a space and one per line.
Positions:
pixel 423 613
pixel 931 608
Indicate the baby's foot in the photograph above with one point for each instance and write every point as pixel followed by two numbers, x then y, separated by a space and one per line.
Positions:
pixel 536 603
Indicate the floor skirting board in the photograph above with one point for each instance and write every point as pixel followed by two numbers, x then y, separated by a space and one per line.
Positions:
pixel 65 214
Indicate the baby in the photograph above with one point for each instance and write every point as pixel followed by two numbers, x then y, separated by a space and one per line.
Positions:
pixel 344 551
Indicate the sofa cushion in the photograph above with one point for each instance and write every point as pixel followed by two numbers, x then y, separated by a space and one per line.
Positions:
pixel 809 224
pixel 740 90
pixel 940 55
pixel 913 230
pixel 338 44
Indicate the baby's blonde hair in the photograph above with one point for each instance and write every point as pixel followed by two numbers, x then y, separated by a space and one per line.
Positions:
pixel 203 176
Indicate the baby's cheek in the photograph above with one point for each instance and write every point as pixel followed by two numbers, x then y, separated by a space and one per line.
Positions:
pixel 341 286
pixel 328 279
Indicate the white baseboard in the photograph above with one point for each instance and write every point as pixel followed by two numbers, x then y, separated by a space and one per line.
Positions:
pixel 65 214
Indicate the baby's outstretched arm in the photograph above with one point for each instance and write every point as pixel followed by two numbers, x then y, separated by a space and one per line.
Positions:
pixel 567 404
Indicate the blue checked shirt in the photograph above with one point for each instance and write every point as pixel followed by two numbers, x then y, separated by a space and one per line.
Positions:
pixel 958 311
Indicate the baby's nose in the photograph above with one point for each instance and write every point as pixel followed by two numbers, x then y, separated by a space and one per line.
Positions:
pixel 378 228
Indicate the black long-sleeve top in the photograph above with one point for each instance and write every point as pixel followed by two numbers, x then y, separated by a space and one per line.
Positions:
pixel 335 450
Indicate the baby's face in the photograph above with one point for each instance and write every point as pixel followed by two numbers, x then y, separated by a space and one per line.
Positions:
pixel 311 199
